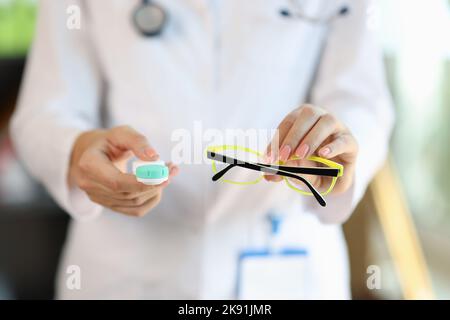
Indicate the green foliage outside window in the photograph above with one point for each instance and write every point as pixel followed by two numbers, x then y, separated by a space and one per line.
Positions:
pixel 17 19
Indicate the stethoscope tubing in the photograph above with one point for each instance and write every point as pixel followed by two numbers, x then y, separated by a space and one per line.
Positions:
pixel 293 12
pixel 296 13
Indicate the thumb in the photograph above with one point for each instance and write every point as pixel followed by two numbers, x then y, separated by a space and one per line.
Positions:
pixel 126 138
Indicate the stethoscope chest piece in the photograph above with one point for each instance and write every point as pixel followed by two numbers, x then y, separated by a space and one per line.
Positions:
pixel 149 18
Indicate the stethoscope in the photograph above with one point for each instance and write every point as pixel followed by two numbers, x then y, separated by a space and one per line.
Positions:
pixel 297 13
pixel 150 18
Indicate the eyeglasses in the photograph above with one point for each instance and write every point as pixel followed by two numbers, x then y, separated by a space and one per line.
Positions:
pixel 294 174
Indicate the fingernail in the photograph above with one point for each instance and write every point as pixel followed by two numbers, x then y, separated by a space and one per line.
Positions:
pixel 268 157
pixel 147 152
pixel 325 151
pixel 272 158
pixel 302 151
pixel 285 152
pixel 151 153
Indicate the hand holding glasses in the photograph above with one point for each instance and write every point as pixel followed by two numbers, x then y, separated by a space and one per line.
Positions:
pixel 296 177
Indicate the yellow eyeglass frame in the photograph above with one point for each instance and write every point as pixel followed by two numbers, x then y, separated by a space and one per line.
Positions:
pixel 326 162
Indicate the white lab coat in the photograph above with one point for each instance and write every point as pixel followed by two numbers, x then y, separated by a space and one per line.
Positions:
pixel 228 64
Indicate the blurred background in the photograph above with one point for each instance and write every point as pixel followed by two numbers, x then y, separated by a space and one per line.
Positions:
pixel 402 225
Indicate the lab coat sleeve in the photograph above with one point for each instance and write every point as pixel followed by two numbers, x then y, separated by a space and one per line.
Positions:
pixel 59 99
pixel 351 84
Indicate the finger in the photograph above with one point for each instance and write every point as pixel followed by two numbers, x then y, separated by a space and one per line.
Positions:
pixel 273 178
pixel 344 143
pixel 173 169
pixel 108 201
pixel 126 138
pixel 96 166
pixel 292 163
pixel 285 125
pixel 324 128
pixel 97 169
pixel 125 195
pixel 89 183
pixel 151 190
pixel 128 183
pixel 91 186
pixel 141 210
pixel 306 120
pixel 118 154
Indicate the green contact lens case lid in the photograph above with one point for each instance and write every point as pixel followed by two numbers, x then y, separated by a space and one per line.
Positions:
pixel 152 171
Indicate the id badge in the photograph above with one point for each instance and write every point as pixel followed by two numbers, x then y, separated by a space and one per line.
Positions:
pixel 267 274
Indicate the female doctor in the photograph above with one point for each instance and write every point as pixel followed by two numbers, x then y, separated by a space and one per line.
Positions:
pixel 136 71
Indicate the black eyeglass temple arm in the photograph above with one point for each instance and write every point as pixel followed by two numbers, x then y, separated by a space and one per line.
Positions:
pixel 222 172
pixel 313 190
